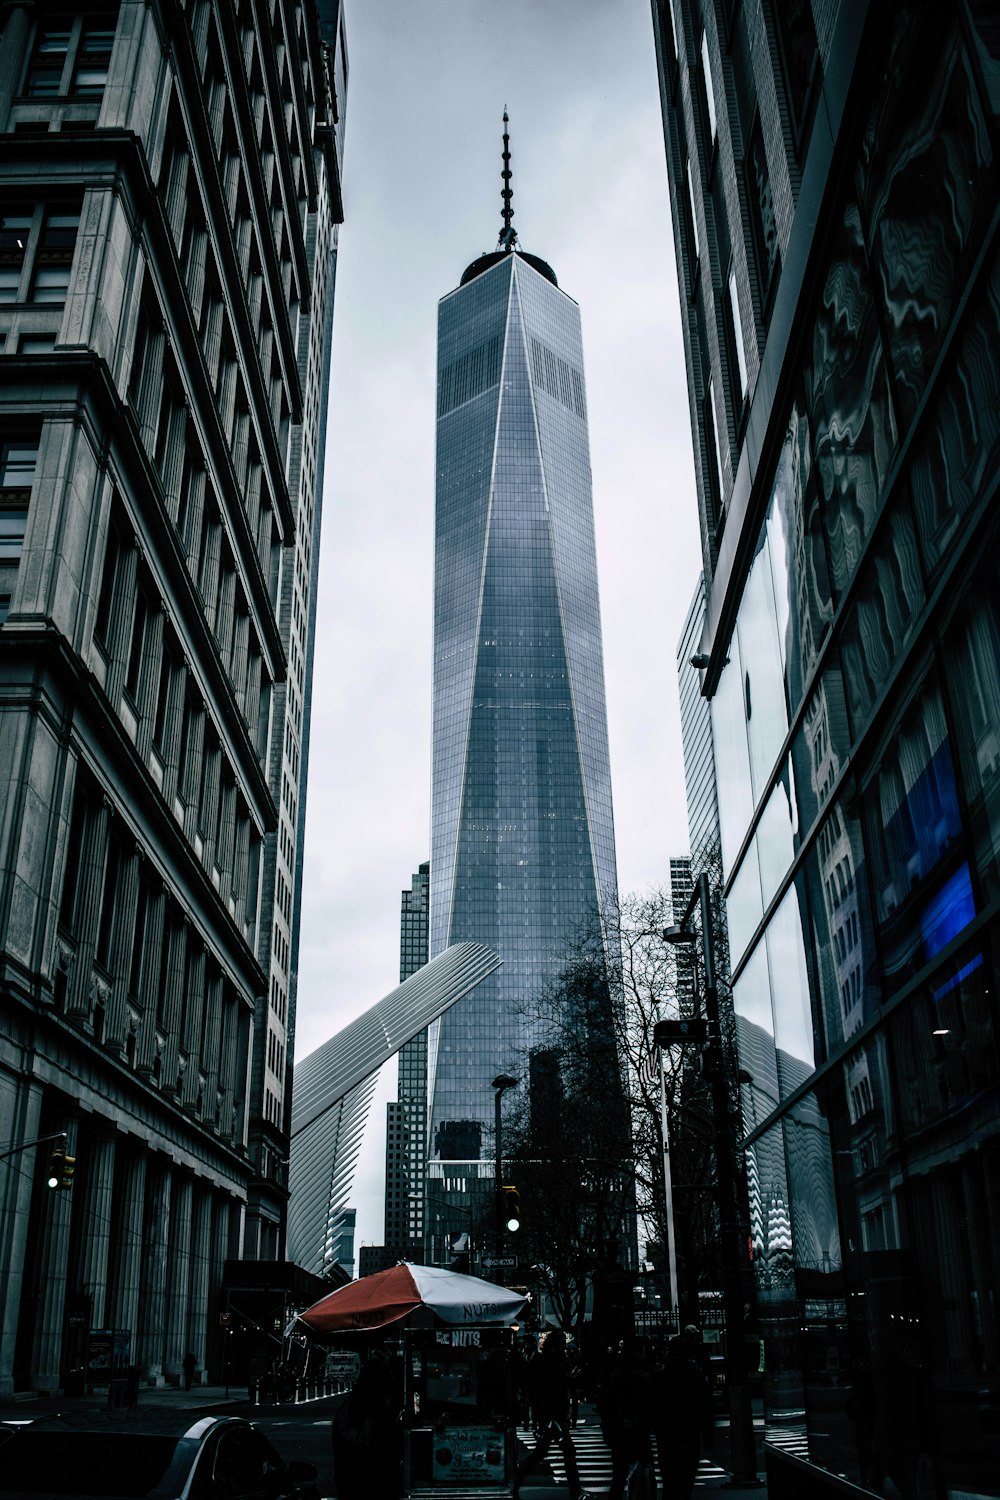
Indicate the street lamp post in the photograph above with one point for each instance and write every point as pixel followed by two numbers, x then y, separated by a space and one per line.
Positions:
pixel 743 1449
pixel 500 1085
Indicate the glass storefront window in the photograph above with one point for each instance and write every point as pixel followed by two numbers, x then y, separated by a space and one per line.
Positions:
pixel 820 746
pixel 764 704
pixel 797 547
pixel 833 880
pixel 848 401
pixel 744 908
pixel 732 760
pixel 920 878
pixel 795 1051
pixel 972 653
pixel 957 453
pixel 775 836
pixel 879 622
pixel 925 190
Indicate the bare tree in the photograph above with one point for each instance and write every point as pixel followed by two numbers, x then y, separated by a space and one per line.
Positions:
pixel 587 1136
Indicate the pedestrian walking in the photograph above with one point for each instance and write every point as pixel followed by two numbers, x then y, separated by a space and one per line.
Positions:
pixel 682 1403
pixel 626 1418
pixel 549 1389
pixel 368 1436
pixel 188 1364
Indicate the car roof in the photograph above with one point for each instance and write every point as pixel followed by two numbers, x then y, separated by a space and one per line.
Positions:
pixel 157 1423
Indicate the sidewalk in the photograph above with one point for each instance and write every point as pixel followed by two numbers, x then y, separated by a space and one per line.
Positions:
pixel 200 1398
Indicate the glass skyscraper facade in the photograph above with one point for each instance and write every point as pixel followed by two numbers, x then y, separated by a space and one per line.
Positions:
pixel 844 372
pixel 522 850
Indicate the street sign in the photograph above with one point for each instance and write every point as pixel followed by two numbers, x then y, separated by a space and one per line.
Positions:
pixel 670 1033
pixel 499 1260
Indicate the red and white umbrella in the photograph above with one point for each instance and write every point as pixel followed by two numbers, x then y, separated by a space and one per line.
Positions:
pixel 399 1292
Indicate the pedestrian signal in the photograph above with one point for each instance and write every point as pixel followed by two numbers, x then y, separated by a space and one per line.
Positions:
pixel 512 1208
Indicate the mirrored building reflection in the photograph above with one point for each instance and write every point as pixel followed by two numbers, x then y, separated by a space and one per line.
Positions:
pixel 836 237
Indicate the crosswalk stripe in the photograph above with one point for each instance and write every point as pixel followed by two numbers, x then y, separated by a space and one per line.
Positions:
pixel 593 1459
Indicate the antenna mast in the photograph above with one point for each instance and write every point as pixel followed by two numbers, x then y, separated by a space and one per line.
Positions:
pixel 508 234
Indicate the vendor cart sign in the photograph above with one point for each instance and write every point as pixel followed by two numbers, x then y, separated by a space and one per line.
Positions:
pixel 464 1455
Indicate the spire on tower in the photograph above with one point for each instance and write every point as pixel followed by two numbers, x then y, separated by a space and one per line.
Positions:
pixel 508 234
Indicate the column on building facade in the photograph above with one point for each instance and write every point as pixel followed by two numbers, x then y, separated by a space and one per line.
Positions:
pixel 173 719
pixel 227 1061
pixel 178 1300
pixel 219 1251
pixel 20 1101
pixel 240 652
pixel 123 1309
pixel 122 618
pixel 120 956
pixel 16 31
pixel 149 682
pixel 56 1208
pixel 152 950
pixel 227 834
pixel 212 1032
pixel 212 784
pixel 191 1040
pixel 201 1257
pixel 151 391
pixel 96 1194
pixel 152 1331
pixel 225 612
pixel 178 936
pixel 208 566
pixel 87 916
pixel 189 775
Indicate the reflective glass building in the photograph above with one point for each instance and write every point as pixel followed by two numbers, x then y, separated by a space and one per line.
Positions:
pixel 522 836
pixel 833 175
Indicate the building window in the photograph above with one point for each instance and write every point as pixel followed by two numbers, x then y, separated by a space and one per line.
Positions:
pixel 54 257
pixel 709 87
pixel 15 230
pixel 763 225
pixel 18 460
pixel 105 601
pixel 133 674
pixel 36 254
pixel 694 217
pixel 736 324
pixel 71 57
pixel 713 454
pixel 799 59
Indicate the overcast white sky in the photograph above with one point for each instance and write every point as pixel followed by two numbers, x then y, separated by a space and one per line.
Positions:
pixel 428 84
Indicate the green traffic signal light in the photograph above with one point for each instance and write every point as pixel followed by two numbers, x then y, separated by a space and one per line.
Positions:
pixel 61 1168
pixel 512 1208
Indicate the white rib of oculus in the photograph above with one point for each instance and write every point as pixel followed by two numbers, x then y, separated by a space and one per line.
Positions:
pixel 522 846
pixel 333 1089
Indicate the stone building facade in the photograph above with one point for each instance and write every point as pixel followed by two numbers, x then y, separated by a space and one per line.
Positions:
pixel 170 190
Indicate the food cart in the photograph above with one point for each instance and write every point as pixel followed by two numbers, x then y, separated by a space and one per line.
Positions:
pixel 459 1435
pixel 458 1413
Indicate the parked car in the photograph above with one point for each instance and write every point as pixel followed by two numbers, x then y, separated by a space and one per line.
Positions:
pixel 149 1456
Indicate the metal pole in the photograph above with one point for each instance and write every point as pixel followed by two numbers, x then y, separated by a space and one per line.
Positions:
pixel 498 1190
pixel 743 1448
pixel 668 1193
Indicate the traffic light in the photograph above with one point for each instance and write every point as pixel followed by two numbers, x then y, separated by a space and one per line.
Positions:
pixel 61 1166
pixel 512 1208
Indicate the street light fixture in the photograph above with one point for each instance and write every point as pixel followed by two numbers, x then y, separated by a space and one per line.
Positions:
pixel 500 1085
pixel 743 1451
